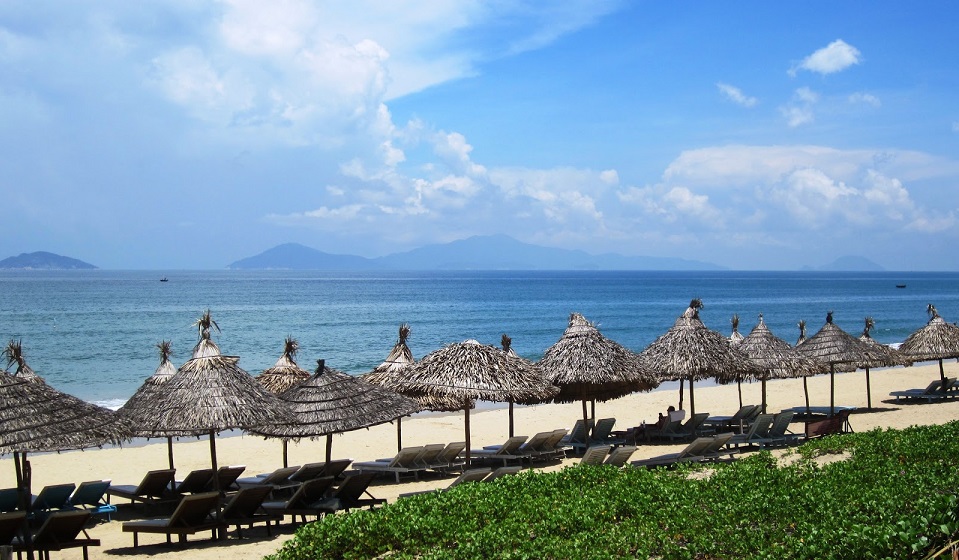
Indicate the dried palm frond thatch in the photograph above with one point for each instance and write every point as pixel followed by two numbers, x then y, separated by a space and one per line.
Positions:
pixel 472 371
pixel 936 340
pixel 842 351
pixel 332 402
pixel 149 390
pixel 14 354
pixel 775 357
pixel 690 351
pixel 285 373
pixel 735 337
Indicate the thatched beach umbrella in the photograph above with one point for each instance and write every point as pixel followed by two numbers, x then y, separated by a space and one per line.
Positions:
pixel 842 351
pixel 689 350
pixel 332 402
pixel 14 354
pixel 507 344
pixel 735 338
pixel 35 417
pixel 895 356
pixel 208 394
pixel 472 371
pixel 149 390
pixel 285 373
pixel 587 366
pixel 937 340
pixel 388 374
pixel 775 357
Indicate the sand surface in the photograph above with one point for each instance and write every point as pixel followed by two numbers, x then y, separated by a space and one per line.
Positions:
pixel 128 464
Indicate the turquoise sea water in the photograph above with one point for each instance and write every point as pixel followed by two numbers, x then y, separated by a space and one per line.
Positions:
pixel 93 333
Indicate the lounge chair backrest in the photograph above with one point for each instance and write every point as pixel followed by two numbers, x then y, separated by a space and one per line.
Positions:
pixel 695 421
pixel 195 481
pixel 934 387
pixel 194 509
pixel 246 502
pixel 718 442
pixel 760 426
pixel 696 448
pixel 352 488
pixel 578 433
pixel 12 525
pixel 89 493
pixel 781 423
pixel 511 445
pixel 54 496
pixel 603 428
pixel 9 497
pixel 744 411
pixel 308 471
pixel 406 457
pixel 594 455
pixel 278 476
pixel 155 483
pixel 335 467
pixel 535 443
pixel 472 475
pixel 619 455
pixel 311 491
pixel 502 471
pixel 430 453
pixel 227 475
pixel 61 527
pixel 450 452
pixel 553 441
pixel 672 427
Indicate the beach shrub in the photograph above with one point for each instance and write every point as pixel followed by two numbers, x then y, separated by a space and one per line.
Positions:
pixel 892 495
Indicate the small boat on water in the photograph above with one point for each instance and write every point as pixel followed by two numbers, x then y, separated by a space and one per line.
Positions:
pixel 164 279
pixel 900 285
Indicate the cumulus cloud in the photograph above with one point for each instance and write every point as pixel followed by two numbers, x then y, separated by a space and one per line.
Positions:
pixel 835 57
pixel 865 99
pixel 734 94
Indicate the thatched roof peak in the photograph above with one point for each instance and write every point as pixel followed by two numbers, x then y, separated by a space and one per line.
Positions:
pixel 775 356
pixel 692 312
pixel 14 355
pixel 206 348
pixel 802 332
pixel 404 333
pixel 870 324
pixel 507 343
pixel 285 373
pixel 931 310
pixel 166 369
pixel 935 340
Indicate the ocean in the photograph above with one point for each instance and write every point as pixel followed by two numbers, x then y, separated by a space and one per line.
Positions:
pixel 93 334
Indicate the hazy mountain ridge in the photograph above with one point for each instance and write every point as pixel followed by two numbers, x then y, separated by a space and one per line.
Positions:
pixel 42 260
pixel 492 252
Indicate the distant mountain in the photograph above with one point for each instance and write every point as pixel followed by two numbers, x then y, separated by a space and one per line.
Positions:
pixel 293 256
pixel 41 260
pixel 492 252
pixel 850 263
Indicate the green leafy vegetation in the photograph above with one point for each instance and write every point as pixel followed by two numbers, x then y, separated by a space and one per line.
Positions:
pixel 889 494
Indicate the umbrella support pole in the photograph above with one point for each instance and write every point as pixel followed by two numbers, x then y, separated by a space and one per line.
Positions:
pixel 805 389
pixel 329 447
pixel 399 434
pixel 510 418
pixel 22 467
pixel 587 431
pixel 942 373
pixel 692 399
pixel 868 391
pixel 739 387
pixel 286 462
pixel 682 383
pixel 216 481
pixel 764 396
pixel 832 389
pixel 169 449
pixel 467 424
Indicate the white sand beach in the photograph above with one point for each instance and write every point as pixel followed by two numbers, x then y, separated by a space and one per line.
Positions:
pixel 127 465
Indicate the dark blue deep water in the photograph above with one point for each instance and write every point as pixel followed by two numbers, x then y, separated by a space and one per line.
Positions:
pixel 93 333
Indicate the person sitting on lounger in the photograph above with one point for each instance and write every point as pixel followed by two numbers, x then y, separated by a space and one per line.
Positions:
pixel 643 431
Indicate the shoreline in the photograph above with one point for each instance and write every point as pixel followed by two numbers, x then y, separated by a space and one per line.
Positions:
pixel 128 464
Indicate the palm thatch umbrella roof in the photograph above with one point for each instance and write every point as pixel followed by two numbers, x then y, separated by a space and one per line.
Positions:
pixel 842 351
pixel 14 354
pixel 937 340
pixel 149 390
pixel 332 402
pixel 387 373
pixel 775 357
pixel 35 417
pixel 472 371
pixel 689 350
pixel 507 344
pixel 895 356
pixel 587 366
pixel 736 337
pixel 285 373
pixel 208 394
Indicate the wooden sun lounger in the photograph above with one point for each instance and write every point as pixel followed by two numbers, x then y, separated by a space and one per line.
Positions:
pixel 304 502
pixel 245 508
pixel 594 455
pixel 506 452
pixel 60 530
pixel 404 462
pixel 935 391
pixel 471 475
pixel 155 487
pixel 91 496
pixel 692 452
pixel 195 513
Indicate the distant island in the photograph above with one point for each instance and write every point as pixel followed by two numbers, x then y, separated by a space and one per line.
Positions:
pixel 486 252
pixel 849 263
pixel 41 260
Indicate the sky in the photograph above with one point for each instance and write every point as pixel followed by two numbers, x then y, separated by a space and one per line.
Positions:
pixel 753 135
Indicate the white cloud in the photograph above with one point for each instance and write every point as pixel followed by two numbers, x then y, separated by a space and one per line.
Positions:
pixel 800 110
pixel 736 95
pixel 865 99
pixel 835 57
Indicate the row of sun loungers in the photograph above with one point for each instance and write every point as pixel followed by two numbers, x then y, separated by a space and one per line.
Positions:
pixel 935 392
pixel 415 460
pixel 60 530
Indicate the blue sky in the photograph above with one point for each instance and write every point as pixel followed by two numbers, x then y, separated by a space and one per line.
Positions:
pixel 755 135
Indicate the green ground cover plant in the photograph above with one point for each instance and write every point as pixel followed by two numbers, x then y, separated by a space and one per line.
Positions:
pixel 890 494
